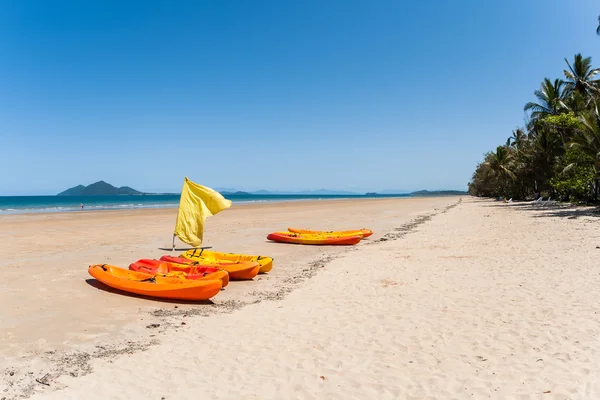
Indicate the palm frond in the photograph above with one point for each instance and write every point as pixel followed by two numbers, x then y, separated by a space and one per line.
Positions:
pixel 536 108
pixel 569 75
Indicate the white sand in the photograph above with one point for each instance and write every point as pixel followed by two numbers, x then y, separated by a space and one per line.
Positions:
pixel 58 319
pixel 486 300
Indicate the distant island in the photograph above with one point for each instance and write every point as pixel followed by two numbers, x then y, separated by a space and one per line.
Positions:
pixel 99 188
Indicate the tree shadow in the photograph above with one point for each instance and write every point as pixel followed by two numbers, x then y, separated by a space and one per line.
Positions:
pixel 101 286
pixel 552 209
pixel 570 212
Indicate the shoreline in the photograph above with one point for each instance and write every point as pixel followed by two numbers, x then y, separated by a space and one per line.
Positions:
pixel 123 207
pixel 236 206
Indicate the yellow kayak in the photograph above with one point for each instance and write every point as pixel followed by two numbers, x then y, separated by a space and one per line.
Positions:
pixel 266 263
pixel 362 232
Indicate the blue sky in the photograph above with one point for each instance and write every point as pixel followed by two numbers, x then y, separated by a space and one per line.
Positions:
pixel 281 95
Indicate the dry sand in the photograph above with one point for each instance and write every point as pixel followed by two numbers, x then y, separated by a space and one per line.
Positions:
pixel 57 320
pixel 470 299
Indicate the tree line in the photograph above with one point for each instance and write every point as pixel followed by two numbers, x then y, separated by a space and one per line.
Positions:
pixel 557 153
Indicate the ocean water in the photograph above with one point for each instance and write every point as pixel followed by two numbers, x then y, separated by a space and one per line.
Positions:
pixel 45 204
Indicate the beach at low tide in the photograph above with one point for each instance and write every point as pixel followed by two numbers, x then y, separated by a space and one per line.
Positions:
pixel 452 297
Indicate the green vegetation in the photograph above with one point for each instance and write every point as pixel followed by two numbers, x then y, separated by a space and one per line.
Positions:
pixel 557 152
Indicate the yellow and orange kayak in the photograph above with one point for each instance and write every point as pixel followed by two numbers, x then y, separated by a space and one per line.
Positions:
pixel 155 285
pixel 302 238
pixel 205 256
pixel 237 271
pixel 174 269
pixel 363 232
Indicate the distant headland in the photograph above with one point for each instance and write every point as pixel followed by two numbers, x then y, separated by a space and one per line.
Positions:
pixel 99 188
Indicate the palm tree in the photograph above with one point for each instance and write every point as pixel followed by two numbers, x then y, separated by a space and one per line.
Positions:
pixel 551 97
pixel 499 164
pixel 517 139
pixel 482 182
pixel 576 103
pixel 541 155
pixel 587 140
pixel 580 76
pixel 521 164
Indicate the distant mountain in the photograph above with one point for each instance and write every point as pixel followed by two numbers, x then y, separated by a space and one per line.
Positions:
pixel 99 188
pixel 74 191
pixel 393 191
pixel 226 190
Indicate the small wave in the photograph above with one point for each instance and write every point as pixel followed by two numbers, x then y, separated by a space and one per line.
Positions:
pixel 14 209
pixel 91 207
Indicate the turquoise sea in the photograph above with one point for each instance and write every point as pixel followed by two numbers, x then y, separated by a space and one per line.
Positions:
pixel 45 204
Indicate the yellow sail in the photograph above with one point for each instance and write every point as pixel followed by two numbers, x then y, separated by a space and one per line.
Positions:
pixel 197 202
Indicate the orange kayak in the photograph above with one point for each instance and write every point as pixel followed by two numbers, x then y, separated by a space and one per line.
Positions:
pixel 300 238
pixel 172 269
pixel 363 232
pixel 155 285
pixel 237 271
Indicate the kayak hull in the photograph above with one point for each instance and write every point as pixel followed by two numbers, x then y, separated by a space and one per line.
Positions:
pixel 363 232
pixel 153 285
pixel 195 272
pixel 319 240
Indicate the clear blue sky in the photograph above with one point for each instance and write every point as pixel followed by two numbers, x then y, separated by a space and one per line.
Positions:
pixel 306 94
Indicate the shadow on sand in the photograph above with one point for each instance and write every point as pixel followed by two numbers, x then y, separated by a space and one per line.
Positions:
pixel 552 209
pixel 101 286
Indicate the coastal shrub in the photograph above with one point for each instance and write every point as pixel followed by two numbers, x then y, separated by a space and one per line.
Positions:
pixel 575 176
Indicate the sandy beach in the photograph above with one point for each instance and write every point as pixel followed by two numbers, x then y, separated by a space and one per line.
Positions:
pixel 451 298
